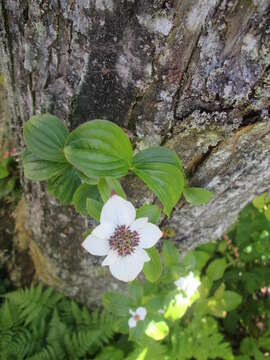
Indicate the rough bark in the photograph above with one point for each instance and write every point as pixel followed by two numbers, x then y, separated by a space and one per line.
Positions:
pixel 190 74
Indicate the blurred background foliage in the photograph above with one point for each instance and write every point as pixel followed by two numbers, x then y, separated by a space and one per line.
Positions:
pixel 227 317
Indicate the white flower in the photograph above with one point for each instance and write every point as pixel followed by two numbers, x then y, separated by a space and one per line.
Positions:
pixel 122 238
pixel 138 314
pixel 161 311
pixel 189 284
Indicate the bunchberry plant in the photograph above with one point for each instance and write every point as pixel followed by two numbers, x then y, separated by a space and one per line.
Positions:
pixel 84 168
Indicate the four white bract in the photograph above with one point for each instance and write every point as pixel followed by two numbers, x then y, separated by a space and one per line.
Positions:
pixel 122 239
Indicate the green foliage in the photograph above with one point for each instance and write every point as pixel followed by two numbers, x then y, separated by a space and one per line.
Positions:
pixel 196 260
pixel 38 169
pixel 45 137
pixel 152 212
pixel 6 186
pixel 64 185
pixel 3 170
pixel 216 269
pixel 170 254
pixel 209 319
pixel 9 179
pixel 160 169
pixel 39 323
pixel 99 148
pixel 116 303
pixel 211 312
pixel 202 340
pixel 152 269
pixel 157 330
pixel 44 159
pixel 108 185
pixel 98 153
pixel 93 208
pixel 197 196
pixel 83 193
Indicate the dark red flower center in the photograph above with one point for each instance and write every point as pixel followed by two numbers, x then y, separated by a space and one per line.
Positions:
pixel 124 240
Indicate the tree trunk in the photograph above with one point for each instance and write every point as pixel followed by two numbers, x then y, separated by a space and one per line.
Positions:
pixel 190 74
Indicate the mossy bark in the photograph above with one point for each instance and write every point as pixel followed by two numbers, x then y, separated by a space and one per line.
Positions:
pixel 190 74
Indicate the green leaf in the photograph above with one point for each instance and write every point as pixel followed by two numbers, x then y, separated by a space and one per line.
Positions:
pixel 195 260
pixel 152 269
pixel 170 253
pixel 222 246
pixel 37 169
pixel 216 308
pixel 209 247
pixel 231 300
pixel 157 330
pixel 93 208
pixel 107 185
pixel 175 306
pixel 221 303
pixel 189 261
pixel 3 172
pixel 267 213
pixel 259 201
pixel 136 291
pixel 84 192
pixel 64 185
pixel 219 293
pixel 258 355
pixel 231 323
pixel 88 180
pixel 45 136
pixel 247 345
pixel 162 174
pixel 264 341
pixel 159 155
pixel 205 287
pixel 216 269
pixel 137 333
pixel 116 303
pixel 149 351
pixel 152 212
pixel 110 353
pixel 197 196
pixel 6 186
pixel 99 148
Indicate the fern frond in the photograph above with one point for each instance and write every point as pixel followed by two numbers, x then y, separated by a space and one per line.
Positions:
pixel 9 316
pixel 34 302
pixel 202 341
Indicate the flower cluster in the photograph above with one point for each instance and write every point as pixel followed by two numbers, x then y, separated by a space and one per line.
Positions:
pixel 122 239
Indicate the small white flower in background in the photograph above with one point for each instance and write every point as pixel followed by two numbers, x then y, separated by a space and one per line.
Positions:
pixel 122 238
pixel 189 284
pixel 138 314
pixel 161 311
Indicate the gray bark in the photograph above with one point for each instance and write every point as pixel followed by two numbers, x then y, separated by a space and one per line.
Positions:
pixel 190 74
